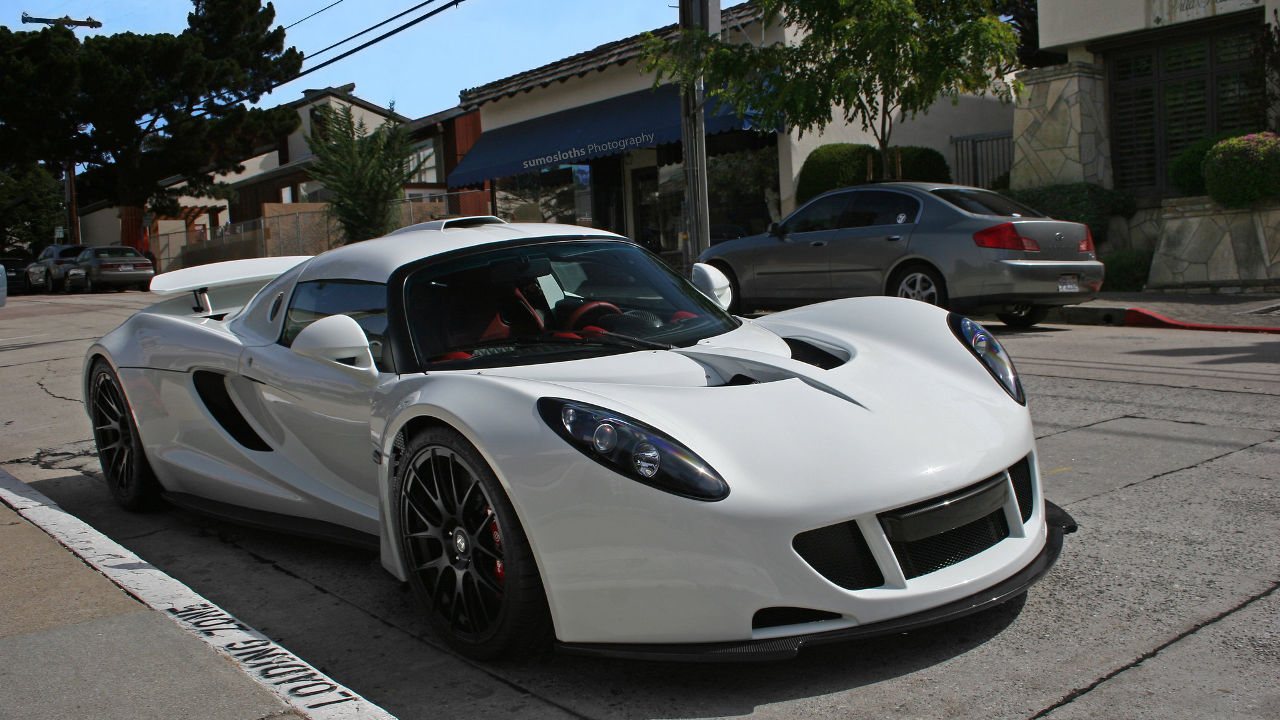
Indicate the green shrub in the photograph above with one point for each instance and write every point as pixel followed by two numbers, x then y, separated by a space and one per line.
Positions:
pixel 1085 203
pixel 1186 170
pixel 840 165
pixel 836 165
pixel 923 164
pixel 1243 170
pixel 1127 270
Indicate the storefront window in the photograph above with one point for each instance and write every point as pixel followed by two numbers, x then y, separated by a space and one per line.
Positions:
pixel 742 187
pixel 552 196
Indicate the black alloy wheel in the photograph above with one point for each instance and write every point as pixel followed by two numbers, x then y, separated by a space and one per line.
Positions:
pixel 124 466
pixel 465 553
pixel 1024 316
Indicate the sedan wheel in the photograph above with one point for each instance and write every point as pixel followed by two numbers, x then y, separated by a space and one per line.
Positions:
pixel 465 553
pixel 919 283
pixel 124 466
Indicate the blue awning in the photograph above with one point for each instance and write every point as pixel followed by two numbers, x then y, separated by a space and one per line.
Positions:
pixel 642 119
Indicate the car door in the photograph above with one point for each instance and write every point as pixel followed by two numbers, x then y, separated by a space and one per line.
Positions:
pixel 320 410
pixel 875 231
pixel 796 265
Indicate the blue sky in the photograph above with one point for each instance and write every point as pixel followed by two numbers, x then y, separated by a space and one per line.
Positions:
pixel 422 68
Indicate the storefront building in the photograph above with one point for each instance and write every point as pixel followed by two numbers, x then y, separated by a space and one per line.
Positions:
pixel 588 140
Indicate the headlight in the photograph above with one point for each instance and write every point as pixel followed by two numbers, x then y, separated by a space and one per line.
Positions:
pixel 987 349
pixel 631 448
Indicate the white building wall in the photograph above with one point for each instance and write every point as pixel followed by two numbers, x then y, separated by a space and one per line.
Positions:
pixel 1065 23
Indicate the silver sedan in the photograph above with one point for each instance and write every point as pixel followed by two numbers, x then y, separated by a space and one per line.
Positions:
pixel 963 248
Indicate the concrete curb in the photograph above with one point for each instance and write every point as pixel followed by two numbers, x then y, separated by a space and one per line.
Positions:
pixel 300 686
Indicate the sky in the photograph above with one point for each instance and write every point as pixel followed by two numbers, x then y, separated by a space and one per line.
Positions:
pixel 421 69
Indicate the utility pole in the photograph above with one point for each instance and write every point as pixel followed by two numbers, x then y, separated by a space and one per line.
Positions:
pixel 69 166
pixel 704 16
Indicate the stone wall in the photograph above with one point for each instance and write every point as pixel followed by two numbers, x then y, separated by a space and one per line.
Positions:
pixel 1205 246
pixel 1141 231
pixel 1059 127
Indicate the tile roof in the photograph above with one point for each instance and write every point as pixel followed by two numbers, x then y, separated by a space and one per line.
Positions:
pixel 618 52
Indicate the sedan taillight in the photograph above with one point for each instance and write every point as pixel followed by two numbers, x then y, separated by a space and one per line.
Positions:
pixel 1005 237
pixel 1086 245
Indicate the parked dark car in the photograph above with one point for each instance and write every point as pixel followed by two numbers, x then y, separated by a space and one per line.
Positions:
pixel 113 266
pixel 15 273
pixel 49 271
pixel 963 248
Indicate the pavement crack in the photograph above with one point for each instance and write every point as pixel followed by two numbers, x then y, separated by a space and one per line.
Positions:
pixel 52 394
pixel 1167 473
pixel 1155 385
pixel 1080 692
pixel 1085 426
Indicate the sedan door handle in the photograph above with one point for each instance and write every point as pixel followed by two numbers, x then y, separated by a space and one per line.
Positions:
pixel 892 238
pixel 818 243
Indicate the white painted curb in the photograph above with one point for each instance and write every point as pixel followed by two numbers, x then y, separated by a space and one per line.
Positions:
pixel 301 686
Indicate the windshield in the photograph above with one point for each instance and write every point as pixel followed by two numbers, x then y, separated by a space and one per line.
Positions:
pixel 551 301
pixel 985 202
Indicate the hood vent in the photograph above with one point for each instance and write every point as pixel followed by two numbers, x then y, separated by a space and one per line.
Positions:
pixel 807 352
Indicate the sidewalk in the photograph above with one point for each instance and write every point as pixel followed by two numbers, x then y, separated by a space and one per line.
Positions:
pixel 90 630
pixel 1191 311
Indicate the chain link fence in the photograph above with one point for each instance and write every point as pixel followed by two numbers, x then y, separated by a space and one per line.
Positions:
pixel 284 229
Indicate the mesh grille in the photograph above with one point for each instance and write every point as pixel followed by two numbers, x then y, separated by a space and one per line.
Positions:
pixel 1021 475
pixel 921 557
pixel 840 554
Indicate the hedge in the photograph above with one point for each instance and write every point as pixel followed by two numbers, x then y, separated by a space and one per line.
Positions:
pixel 1127 270
pixel 1186 171
pixel 1241 171
pixel 839 165
pixel 1085 203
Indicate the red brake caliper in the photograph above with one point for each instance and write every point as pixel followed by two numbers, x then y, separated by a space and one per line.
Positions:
pixel 499 571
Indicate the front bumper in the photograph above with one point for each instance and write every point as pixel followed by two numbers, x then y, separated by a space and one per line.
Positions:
pixel 1059 523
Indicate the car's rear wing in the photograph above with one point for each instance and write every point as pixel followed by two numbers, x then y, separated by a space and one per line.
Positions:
pixel 217 288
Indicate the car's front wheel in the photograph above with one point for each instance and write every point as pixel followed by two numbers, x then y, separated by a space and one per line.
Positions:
pixel 465 552
pixel 1024 316
pixel 124 466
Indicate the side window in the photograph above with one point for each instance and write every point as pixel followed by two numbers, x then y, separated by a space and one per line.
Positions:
pixel 85 256
pixel 821 214
pixel 882 207
pixel 365 302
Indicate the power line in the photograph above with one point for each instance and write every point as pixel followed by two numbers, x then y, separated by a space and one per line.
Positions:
pixel 380 38
pixel 369 29
pixel 286 27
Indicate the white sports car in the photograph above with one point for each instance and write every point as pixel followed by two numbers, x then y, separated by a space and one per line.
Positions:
pixel 548 433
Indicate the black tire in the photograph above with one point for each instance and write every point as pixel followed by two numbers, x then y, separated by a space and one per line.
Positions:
pixel 465 552
pixel 919 282
pixel 1024 316
pixel 124 465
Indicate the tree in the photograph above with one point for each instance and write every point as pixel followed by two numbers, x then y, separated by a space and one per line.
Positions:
pixel 1023 16
pixel 30 207
pixel 870 60
pixel 365 171
pixel 139 110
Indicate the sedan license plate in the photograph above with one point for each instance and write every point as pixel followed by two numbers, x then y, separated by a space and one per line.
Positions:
pixel 124 267
pixel 1069 283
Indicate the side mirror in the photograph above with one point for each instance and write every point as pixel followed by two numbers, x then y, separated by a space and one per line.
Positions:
pixel 774 229
pixel 337 339
pixel 714 284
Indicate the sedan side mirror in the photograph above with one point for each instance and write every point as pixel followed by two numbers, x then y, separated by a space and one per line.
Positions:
pixel 774 229
pixel 714 284
pixel 337 339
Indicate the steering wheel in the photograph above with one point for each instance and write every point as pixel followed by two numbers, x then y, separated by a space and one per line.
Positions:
pixel 582 311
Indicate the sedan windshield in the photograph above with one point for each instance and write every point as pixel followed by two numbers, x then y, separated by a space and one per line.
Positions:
pixel 550 301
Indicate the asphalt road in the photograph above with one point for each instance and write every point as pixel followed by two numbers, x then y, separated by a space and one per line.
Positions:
pixel 1164 445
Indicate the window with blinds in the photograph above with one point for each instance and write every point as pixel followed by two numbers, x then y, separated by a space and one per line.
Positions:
pixel 1167 94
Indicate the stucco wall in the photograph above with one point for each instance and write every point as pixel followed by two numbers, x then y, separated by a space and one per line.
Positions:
pixel 1073 22
pixel 101 227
